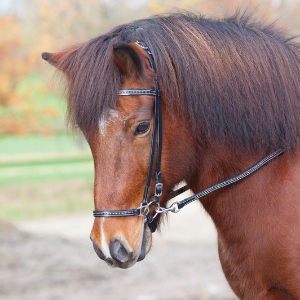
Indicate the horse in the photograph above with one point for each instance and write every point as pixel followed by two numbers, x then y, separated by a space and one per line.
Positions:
pixel 214 103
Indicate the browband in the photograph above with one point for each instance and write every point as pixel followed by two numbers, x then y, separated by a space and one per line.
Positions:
pixel 136 92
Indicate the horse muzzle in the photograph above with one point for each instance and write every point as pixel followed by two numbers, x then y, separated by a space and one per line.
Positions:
pixel 118 252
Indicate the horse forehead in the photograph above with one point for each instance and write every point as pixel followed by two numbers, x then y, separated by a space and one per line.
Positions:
pixel 124 111
pixel 114 115
pixel 104 120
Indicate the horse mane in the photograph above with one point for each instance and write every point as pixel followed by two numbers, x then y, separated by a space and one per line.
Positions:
pixel 237 79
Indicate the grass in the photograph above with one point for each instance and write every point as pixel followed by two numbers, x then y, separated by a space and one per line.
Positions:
pixel 50 171
pixel 16 148
pixel 30 200
pixel 44 176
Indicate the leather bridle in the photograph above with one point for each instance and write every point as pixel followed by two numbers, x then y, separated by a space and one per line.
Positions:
pixel 155 152
pixel 156 149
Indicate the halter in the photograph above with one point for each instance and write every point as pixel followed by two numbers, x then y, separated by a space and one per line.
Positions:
pixel 156 150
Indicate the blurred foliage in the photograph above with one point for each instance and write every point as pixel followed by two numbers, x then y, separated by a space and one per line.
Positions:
pixel 29 27
pixel 21 108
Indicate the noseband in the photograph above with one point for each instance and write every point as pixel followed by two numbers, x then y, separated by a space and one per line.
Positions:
pixel 156 150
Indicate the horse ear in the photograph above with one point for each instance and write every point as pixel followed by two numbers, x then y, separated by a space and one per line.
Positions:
pixel 128 58
pixel 50 58
pixel 55 59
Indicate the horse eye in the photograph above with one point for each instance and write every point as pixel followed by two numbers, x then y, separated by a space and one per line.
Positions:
pixel 142 128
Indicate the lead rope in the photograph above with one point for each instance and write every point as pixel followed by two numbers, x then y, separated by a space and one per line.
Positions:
pixel 175 207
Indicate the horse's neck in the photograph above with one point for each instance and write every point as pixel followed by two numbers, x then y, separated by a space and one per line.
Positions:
pixel 251 198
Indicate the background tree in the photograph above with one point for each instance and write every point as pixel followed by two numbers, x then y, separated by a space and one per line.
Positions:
pixel 29 27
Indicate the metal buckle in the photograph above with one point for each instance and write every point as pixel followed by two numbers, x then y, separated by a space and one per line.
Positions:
pixel 144 209
pixel 173 208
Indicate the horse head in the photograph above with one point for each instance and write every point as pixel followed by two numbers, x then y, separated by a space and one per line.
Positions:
pixel 120 146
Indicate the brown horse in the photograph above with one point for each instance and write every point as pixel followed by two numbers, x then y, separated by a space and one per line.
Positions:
pixel 228 93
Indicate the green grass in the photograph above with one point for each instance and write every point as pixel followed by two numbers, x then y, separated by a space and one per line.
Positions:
pixel 38 158
pixel 39 199
pixel 44 176
pixel 16 147
pixel 53 170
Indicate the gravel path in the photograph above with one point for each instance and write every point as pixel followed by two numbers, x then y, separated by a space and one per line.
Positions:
pixel 53 259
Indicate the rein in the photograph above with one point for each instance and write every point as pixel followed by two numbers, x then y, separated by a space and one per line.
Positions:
pixel 156 150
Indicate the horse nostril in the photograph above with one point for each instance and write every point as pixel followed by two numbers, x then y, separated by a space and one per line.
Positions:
pixel 119 252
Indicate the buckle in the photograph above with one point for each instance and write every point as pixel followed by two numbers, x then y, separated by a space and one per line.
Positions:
pixel 158 189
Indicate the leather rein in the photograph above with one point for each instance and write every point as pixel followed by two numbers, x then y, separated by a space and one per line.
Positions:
pixel 156 151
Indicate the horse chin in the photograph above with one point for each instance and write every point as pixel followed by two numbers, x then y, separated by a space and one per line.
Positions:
pixel 146 242
pixel 144 249
pixel 115 264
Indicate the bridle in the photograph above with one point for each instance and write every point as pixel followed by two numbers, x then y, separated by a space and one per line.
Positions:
pixel 156 152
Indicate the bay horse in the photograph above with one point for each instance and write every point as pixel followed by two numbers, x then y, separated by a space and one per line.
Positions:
pixel 211 102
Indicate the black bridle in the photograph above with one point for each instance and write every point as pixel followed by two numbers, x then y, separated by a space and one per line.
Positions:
pixel 155 152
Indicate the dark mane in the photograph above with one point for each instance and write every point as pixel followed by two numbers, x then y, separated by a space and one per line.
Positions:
pixel 237 79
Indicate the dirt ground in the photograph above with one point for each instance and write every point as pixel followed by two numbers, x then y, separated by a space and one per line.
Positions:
pixel 53 259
